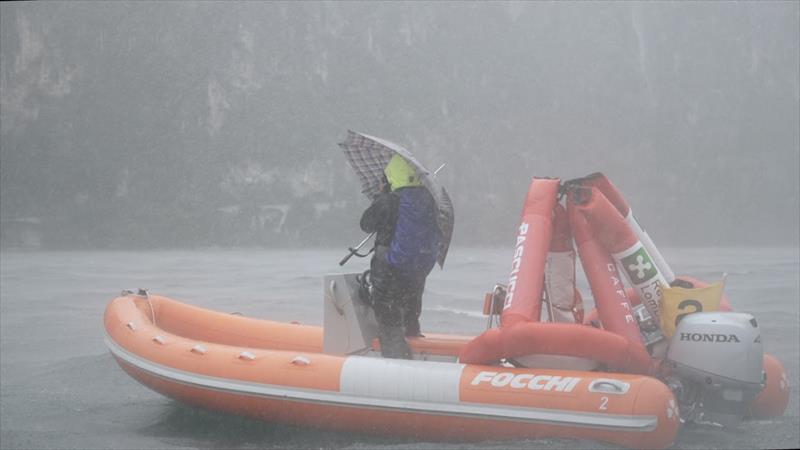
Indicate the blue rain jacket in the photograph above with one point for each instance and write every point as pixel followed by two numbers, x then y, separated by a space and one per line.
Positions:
pixel 415 245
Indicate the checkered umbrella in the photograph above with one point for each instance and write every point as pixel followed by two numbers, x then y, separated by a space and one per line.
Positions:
pixel 369 155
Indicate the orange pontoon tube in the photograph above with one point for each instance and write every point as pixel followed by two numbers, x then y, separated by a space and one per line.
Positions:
pixel 276 372
pixel 526 281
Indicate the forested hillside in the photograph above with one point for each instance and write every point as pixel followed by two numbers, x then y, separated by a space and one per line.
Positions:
pixel 177 124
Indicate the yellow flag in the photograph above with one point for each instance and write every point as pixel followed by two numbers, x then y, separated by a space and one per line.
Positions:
pixel 677 302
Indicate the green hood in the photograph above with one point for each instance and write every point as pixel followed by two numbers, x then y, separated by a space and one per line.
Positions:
pixel 400 173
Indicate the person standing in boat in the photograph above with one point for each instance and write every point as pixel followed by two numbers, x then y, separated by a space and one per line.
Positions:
pixel 403 216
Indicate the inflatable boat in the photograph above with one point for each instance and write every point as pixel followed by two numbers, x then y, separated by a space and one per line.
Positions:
pixel 629 372
pixel 278 372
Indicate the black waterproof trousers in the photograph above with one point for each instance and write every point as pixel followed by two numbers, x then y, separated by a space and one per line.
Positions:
pixel 396 295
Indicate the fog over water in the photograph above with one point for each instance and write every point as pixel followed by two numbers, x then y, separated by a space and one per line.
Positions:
pixel 175 124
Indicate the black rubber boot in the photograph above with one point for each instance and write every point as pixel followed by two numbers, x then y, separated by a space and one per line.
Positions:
pixel 412 328
pixel 393 343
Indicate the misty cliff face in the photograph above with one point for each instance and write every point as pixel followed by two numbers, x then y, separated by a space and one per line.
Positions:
pixel 181 124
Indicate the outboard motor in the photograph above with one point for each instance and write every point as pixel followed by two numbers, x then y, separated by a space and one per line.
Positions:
pixel 716 361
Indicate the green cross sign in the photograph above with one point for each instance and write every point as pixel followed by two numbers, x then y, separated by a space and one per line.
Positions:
pixel 639 266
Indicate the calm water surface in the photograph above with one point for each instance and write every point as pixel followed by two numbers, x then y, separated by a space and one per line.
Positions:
pixel 61 389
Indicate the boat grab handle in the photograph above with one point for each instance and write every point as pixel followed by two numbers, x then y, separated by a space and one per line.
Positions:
pixel 301 361
pixel 609 386
pixel 247 356
pixel 199 349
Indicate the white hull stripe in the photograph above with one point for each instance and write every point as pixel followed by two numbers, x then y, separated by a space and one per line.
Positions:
pixel 471 410
pixel 400 379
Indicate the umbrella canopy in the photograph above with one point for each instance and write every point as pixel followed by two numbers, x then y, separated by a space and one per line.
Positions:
pixel 369 155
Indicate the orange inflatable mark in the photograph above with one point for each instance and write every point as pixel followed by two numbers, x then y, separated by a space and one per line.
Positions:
pixel 541 338
pixel 526 281
pixel 772 400
pixel 608 290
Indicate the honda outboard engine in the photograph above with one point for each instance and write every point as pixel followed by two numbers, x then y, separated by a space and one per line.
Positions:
pixel 717 366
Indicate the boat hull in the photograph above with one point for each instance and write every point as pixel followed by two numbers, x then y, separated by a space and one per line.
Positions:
pixel 424 399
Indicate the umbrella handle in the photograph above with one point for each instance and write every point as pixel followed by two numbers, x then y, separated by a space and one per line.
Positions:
pixel 348 256
pixel 354 250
